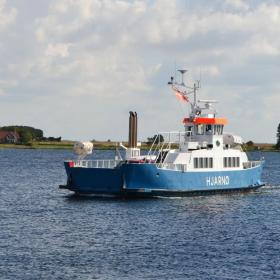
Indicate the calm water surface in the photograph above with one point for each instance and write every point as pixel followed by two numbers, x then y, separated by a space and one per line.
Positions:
pixel 45 233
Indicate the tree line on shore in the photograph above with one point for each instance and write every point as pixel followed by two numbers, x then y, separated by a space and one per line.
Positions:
pixel 28 134
pixel 250 145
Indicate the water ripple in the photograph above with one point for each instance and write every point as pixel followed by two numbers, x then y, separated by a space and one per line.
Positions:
pixel 46 233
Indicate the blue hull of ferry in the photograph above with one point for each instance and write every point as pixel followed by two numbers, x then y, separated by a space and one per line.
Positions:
pixel 148 180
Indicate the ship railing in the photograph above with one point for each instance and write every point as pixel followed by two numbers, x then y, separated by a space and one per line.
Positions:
pixel 168 140
pixel 172 166
pixel 251 164
pixel 100 163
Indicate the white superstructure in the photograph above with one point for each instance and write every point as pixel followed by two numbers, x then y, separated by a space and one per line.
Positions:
pixel 203 146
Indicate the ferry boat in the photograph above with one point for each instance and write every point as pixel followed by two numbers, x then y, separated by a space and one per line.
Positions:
pixel 201 159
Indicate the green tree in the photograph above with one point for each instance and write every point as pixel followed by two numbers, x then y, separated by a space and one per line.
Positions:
pixel 25 137
pixel 278 137
pixel 250 143
pixel 36 134
pixel 157 138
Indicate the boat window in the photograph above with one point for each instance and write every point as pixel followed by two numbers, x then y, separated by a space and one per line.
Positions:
pixel 199 129
pixel 231 162
pixel 208 129
pixel 225 162
pixel 200 162
pixel 189 130
pixel 216 129
pixel 203 162
pixel 210 162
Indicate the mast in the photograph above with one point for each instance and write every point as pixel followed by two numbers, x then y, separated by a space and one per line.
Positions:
pixel 194 95
pixel 184 90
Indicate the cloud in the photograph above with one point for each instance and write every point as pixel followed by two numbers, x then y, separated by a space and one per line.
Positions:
pixel 98 58
pixel 61 50
pixel 7 15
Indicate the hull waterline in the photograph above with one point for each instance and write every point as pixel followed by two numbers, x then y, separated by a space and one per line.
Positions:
pixel 146 180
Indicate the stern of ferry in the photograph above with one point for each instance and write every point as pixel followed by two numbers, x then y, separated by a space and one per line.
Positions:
pixel 93 177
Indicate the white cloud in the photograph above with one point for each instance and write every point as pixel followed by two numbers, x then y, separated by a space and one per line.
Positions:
pixel 61 50
pixel 115 56
pixel 7 15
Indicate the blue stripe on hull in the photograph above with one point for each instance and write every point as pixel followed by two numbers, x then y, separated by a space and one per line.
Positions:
pixel 148 179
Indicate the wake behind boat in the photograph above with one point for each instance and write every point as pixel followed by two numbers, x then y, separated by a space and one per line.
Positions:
pixel 199 160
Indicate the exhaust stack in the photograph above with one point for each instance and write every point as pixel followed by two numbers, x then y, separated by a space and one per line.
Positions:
pixel 132 134
pixel 132 152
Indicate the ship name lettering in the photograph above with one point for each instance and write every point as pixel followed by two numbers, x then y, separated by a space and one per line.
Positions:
pixel 217 180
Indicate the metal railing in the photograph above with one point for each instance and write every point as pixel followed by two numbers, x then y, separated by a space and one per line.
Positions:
pixel 165 141
pixel 251 164
pixel 172 166
pixel 101 163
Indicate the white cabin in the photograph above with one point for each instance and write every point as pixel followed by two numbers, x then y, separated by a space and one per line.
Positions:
pixel 203 145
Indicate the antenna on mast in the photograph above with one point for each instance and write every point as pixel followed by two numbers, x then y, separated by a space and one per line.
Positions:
pixel 200 77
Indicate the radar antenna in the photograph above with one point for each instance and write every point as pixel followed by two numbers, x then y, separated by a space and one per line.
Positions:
pixel 183 71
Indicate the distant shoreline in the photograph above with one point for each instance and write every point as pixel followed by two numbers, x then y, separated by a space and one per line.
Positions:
pixel 65 145
pixel 105 145
pixel 260 147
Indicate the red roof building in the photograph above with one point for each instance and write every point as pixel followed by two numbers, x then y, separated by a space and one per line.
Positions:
pixel 9 136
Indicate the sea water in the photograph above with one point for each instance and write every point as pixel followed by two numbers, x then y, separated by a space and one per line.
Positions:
pixel 46 233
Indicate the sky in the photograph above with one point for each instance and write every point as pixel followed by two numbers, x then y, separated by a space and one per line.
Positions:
pixel 75 68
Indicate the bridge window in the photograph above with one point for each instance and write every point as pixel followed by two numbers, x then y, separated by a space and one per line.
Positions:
pixel 215 129
pixel 189 130
pixel 205 162
pixel 218 129
pixel 208 129
pixel 199 129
